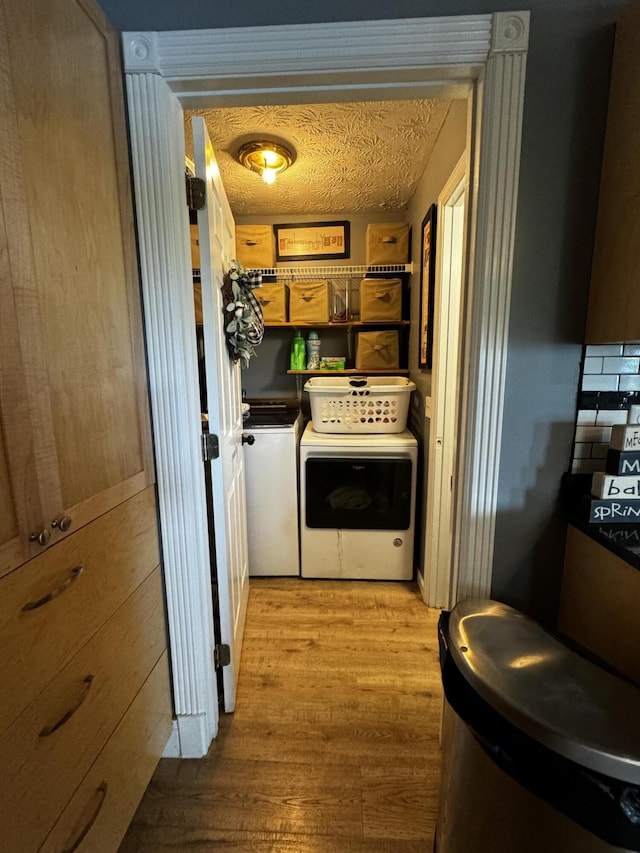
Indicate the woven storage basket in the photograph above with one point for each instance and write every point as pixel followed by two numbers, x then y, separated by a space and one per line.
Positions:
pixel 274 301
pixel 387 244
pixel 309 302
pixel 370 404
pixel 377 350
pixel 255 246
pixel 381 300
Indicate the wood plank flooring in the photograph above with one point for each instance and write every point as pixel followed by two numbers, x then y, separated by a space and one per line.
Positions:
pixel 333 747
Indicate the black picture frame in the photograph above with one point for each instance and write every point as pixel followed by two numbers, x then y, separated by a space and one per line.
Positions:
pixel 427 286
pixel 312 241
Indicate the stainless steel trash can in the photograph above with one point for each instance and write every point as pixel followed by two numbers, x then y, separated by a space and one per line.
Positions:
pixel 541 747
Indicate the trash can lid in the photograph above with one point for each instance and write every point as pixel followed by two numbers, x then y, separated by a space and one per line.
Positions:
pixel 550 692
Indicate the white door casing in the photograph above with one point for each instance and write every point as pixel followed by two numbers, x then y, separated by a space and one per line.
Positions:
pixel 216 235
pixel 158 155
pixel 443 431
pixel 419 57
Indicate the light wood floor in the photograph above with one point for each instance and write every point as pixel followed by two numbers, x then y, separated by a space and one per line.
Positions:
pixel 333 747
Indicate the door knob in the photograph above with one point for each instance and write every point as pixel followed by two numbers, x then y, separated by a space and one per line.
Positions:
pixel 63 523
pixel 248 439
pixel 42 537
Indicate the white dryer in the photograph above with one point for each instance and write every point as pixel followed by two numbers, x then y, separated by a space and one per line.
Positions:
pixel 357 505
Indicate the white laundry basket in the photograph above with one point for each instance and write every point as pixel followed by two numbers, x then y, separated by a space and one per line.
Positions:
pixel 345 404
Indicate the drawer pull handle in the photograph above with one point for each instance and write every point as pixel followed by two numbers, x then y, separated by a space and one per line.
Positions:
pixel 102 791
pixel 73 577
pixel 49 730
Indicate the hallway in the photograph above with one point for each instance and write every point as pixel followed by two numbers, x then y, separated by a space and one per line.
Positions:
pixel 333 747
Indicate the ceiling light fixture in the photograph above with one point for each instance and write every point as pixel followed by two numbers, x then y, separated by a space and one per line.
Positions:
pixel 268 159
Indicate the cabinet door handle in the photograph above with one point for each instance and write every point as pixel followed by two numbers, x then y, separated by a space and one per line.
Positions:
pixel 101 790
pixel 73 577
pixel 42 537
pixel 49 730
pixel 62 524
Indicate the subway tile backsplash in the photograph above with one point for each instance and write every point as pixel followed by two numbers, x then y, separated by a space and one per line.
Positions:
pixel 599 350
pixel 586 434
pixel 606 417
pixel 586 417
pixel 600 382
pixel 592 365
pixel 629 383
pixel 620 365
pixel 609 384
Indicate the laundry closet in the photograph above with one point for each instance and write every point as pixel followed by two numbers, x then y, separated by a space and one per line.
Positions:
pixel 358 491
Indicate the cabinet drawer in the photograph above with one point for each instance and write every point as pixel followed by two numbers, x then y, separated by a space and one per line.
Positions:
pixel 105 802
pixel 51 745
pixel 599 603
pixel 66 606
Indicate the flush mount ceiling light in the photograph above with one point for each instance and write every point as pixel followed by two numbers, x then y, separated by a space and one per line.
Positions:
pixel 268 159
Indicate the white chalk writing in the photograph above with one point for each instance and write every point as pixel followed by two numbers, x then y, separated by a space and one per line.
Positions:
pixel 616 510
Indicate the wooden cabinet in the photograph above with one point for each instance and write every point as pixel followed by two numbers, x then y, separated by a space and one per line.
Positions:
pixel 101 808
pixel 72 394
pixel 53 605
pixel 53 742
pixel 82 629
pixel 614 298
pixel 600 601
pixel 81 605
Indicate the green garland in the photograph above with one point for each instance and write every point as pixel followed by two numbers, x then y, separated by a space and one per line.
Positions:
pixel 245 328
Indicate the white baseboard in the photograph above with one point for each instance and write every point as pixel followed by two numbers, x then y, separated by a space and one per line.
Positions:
pixel 189 737
pixel 172 749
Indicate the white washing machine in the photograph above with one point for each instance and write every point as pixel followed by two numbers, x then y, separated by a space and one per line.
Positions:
pixel 357 505
pixel 271 478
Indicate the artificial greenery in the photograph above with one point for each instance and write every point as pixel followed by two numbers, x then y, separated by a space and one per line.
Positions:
pixel 244 324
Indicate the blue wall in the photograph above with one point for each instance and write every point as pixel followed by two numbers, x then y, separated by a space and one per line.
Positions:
pixel 565 108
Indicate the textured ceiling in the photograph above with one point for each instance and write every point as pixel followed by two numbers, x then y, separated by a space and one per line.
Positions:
pixel 351 157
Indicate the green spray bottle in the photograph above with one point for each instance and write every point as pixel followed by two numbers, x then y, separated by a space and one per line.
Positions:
pixel 298 352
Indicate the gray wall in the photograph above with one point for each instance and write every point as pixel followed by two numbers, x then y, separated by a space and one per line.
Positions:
pixel 565 106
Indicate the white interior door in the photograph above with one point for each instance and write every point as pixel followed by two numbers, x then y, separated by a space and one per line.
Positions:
pixel 216 235
pixel 443 431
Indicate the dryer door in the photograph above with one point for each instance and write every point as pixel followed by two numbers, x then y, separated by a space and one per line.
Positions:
pixel 358 493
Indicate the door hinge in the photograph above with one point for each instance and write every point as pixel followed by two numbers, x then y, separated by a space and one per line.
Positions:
pixel 210 446
pixel 196 193
pixel 221 655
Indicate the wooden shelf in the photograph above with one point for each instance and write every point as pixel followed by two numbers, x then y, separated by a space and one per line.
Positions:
pixel 348 324
pixel 399 371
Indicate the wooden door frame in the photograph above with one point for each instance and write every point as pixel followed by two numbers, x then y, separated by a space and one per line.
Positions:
pixel 482 57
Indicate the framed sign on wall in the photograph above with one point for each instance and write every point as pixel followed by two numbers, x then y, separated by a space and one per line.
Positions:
pixel 427 287
pixel 312 241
